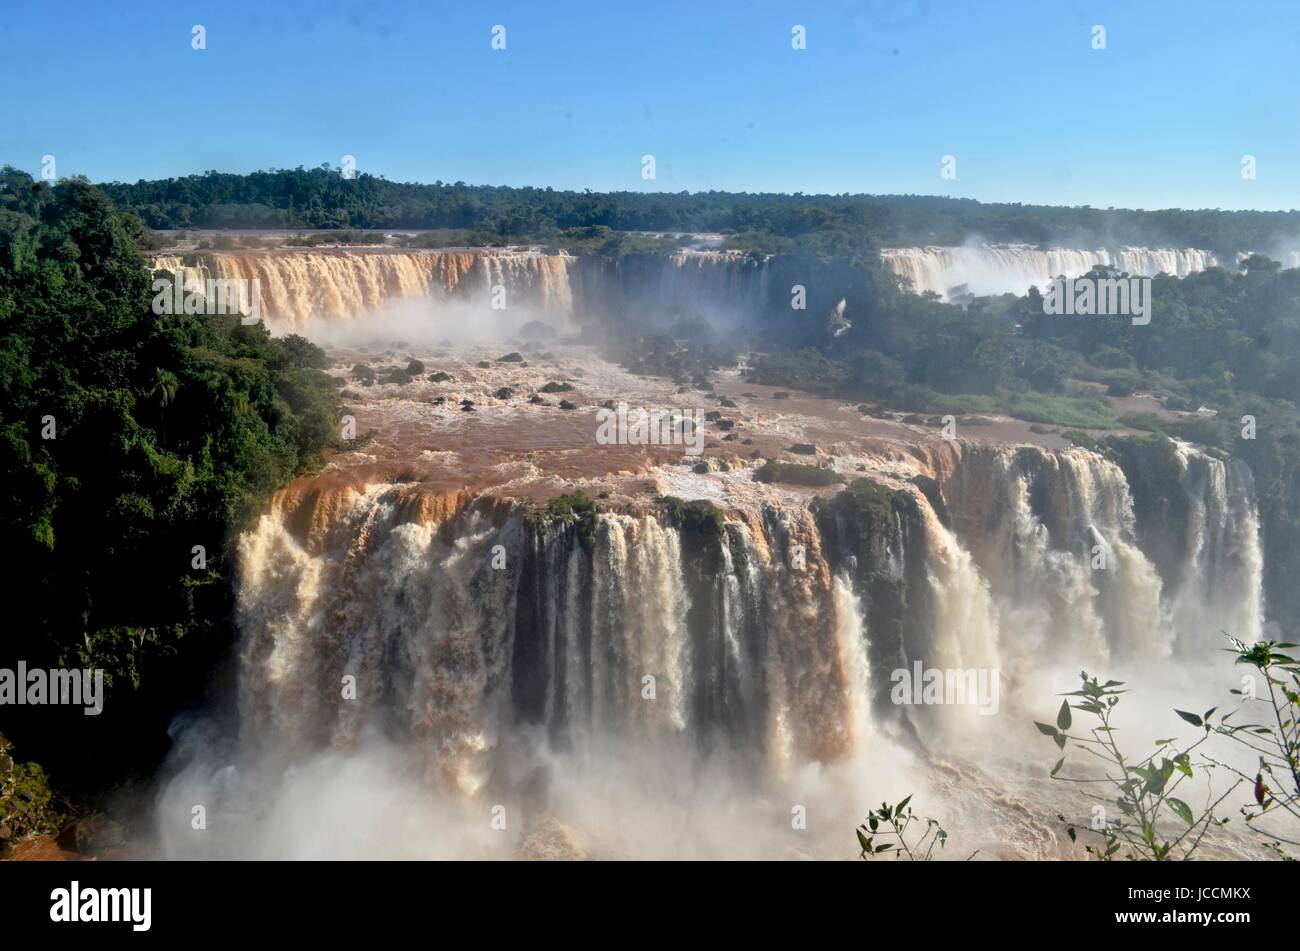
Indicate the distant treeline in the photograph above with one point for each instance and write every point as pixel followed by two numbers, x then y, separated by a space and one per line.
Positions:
pixel 322 198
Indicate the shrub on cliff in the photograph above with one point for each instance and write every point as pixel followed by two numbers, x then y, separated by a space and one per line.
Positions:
pixel 571 508
pixel 796 474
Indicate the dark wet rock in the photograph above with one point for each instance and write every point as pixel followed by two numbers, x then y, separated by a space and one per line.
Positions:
pixel 93 834
pixel 536 331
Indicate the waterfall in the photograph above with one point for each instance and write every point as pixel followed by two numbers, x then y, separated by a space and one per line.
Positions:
pixel 999 269
pixel 1222 581
pixel 299 288
pixel 965 629
pixel 475 655
pixel 446 649
pixel 316 292
pixel 1054 532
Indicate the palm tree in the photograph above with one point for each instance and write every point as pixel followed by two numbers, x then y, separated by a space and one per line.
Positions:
pixel 166 386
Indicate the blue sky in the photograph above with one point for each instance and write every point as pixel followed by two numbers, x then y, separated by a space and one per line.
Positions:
pixel 1160 118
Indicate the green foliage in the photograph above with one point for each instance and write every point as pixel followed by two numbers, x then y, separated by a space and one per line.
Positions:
pixel 573 508
pixel 127 439
pixel 27 804
pixel 891 824
pixel 1274 738
pixel 702 531
pixel 772 223
pixel 687 354
pixel 796 474
pixel 1141 818
pixel 869 502
pixel 698 517
pixel 1152 822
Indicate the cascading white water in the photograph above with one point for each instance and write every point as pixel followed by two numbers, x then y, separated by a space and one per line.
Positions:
pixel 324 292
pixel 299 288
pixel 851 641
pixel 966 623
pixel 645 567
pixel 1054 534
pixel 1222 584
pixel 999 269
pixel 375 633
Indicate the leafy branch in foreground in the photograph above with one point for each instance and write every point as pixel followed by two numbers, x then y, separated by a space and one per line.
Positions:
pixel 892 823
pixel 1276 741
pixel 1142 790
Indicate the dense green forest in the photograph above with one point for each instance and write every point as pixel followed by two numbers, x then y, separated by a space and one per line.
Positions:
pixel 322 198
pixel 127 439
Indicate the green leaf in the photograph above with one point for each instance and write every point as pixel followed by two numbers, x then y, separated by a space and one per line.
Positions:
pixel 1045 728
pixel 1191 718
pixel 1057 768
pixel 1180 807
pixel 1063 715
